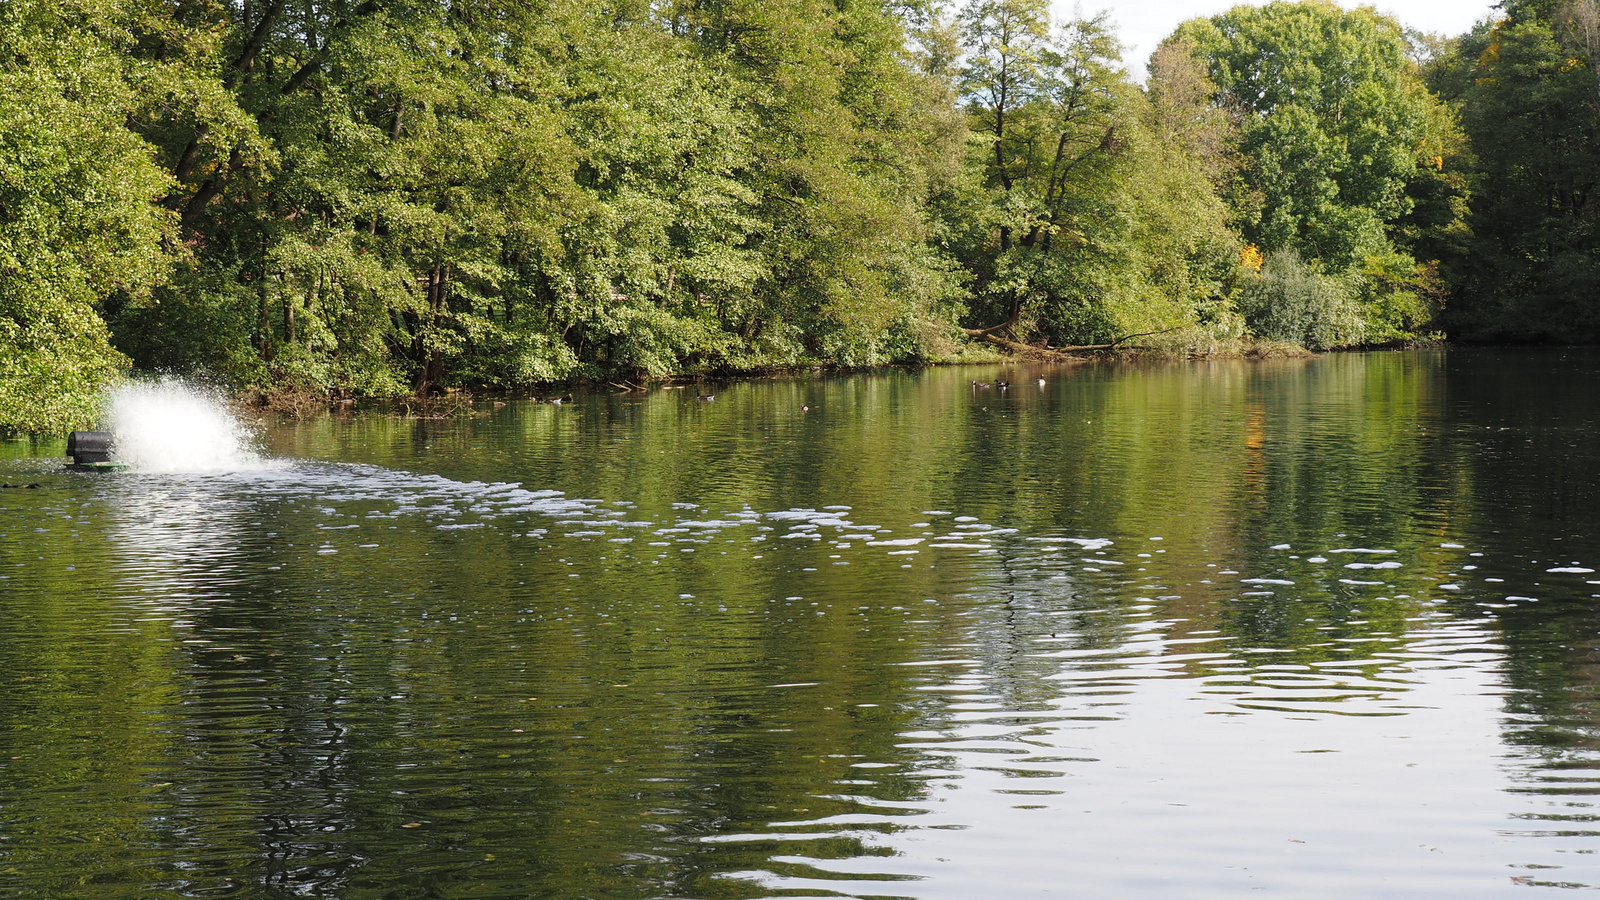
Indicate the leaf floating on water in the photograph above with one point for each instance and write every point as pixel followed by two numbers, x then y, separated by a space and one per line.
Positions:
pixel 412 825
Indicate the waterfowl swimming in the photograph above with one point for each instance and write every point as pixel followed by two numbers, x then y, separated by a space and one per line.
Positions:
pixel 707 398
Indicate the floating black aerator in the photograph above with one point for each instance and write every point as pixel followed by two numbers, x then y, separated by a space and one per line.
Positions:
pixel 91 449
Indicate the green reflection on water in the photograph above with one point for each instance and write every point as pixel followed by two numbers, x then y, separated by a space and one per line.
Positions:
pixel 377 673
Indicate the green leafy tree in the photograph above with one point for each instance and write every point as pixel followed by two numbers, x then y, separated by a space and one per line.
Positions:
pixel 1527 89
pixel 1338 136
pixel 405 195
pixel 1007 42
pixel 352 194
pixel 843 156
pixel 78 223
pixel 1088 223
pixel 1190 166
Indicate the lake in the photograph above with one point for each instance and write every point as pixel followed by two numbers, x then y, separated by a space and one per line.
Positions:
pixel 1312 627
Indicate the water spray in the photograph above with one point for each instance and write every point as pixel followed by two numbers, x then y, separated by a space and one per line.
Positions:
pixel 165 426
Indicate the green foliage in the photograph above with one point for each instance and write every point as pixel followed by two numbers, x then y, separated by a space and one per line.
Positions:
pixel 1343 149
pixel 394 196
pixel 1529 96
pixel 1090 220
pixel 1292 301
pixel 78 225
pixel 1332 119
pixel 197 323
pixel 1398 299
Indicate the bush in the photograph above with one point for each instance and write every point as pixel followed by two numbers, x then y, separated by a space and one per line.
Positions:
pixel 1291 301
pixel 1399 298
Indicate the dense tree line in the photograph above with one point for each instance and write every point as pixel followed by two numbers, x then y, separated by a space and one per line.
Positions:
pixel 1528 90
pixel 376 197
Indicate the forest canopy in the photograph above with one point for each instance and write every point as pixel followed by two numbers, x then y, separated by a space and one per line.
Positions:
pixel 385 197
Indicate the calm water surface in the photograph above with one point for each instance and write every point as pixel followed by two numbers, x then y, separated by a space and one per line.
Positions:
pixel 1306 628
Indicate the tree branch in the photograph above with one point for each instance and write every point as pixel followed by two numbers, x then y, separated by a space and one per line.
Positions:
pixel 315 63
pixel 246 61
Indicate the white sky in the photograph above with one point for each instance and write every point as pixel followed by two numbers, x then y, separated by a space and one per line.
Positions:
pixel 1141 24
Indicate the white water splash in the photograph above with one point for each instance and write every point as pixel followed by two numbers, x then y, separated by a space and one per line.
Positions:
pixel 170 426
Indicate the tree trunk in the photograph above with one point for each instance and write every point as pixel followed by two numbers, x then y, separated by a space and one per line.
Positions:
pixel 430 372
pixel 264 319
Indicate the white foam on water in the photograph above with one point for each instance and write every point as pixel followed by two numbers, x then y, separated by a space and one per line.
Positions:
pixel 170 426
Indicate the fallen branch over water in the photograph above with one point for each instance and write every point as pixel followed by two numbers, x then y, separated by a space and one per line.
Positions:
pixel 1013 346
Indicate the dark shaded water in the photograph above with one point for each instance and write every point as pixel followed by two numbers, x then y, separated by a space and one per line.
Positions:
pixel 1313 628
